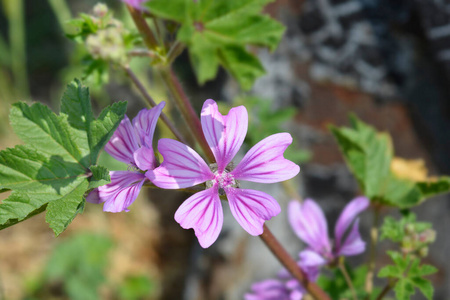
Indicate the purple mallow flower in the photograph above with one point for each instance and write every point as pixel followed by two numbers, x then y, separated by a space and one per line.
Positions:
pixel 310 225
pixel 285 287
pixel 135 3
pixel 131 144
pixel 183 167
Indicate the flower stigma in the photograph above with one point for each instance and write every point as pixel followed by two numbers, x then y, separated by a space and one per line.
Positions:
pixel 223 179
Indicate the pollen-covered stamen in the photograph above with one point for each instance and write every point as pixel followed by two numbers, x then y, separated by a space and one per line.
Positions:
pixel 222 179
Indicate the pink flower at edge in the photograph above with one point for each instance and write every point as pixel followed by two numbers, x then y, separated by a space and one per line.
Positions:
pixel 135 3
pixel 131 143
pixel 309 224
pixel 183 167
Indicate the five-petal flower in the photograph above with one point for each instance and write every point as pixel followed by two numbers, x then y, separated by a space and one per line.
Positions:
pixel 309 224
pixel 131 143
pixel 183 167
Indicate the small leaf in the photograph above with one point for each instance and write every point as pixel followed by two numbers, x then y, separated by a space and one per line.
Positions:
pixel 424 286
pixel 100 176
pixel 403 289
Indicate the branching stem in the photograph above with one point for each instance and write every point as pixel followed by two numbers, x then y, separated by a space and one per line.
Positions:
pixel 152 103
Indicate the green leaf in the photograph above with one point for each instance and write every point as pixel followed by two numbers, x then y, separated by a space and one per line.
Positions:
pixel 424 286
pixel 100 176
pixel 219 31
pixel 51 172
pixel 367 153
pixel 62 211
pixel 90 134
pixel 404 289
pixel 369 156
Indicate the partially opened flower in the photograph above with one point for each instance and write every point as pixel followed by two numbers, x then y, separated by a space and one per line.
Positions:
pixel 309 223
pixel 131 144
pixel 183 167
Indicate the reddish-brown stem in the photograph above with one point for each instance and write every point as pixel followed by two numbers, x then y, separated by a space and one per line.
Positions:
pixel 291 265
pixel 174 86
pixel 152 103
pixel 147 34
pixel 187 111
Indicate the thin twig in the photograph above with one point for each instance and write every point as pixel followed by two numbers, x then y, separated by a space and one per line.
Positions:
pixel 144 29
pixel 186 109
pixel 386 289
pixel 347 277
pixel 291 265
pixel 152 103
pixel 373 251
pixel 174 51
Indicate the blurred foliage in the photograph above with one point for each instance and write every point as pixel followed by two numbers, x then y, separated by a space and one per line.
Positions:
pixel 337 287
pixel 265 121
pixel 406 274
pixel 217 32
pixel 369 155
pixel 77 270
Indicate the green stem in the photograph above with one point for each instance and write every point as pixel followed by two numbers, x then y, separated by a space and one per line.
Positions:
pixel 61 11
pixel 15 14
pixel 347 277
pixel 373 251
pixel 152 103
pixel 291 265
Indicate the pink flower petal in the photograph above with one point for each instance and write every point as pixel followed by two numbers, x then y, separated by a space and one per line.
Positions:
pixel 348 215
pixel 135 3
pixel 309 223
pixel 182 167
pixel 352 244
pixel 251 208
pixel 265 163
pixel 145 123
pixel 202 212
pixel 310 262
pixel 123 142
pixel 269 289
pixel 145 158
pixel 94 198
pixel 224 134
pixel 122 191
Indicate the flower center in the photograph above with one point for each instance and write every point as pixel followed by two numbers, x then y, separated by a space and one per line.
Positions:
pixel 222 179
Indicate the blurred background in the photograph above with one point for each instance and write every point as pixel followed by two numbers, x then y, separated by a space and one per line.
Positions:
pixel 387 61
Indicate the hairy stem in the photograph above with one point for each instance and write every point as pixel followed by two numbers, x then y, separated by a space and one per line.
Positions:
pixel 174 86
pixel 147 33
pixel 373 251
pixel 291 265
pixel 152 103
pixel 187 111
pixel 347 277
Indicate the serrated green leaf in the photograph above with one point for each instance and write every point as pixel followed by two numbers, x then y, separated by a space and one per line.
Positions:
pixel 100 176
pixel 244 66
pixel 37 123
pixel 91 135
pixel 403 289
pixel 51 171
pixel 424 286
pixel 368 155
pixel 389 271
pixel 218 31
pixel 62 211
